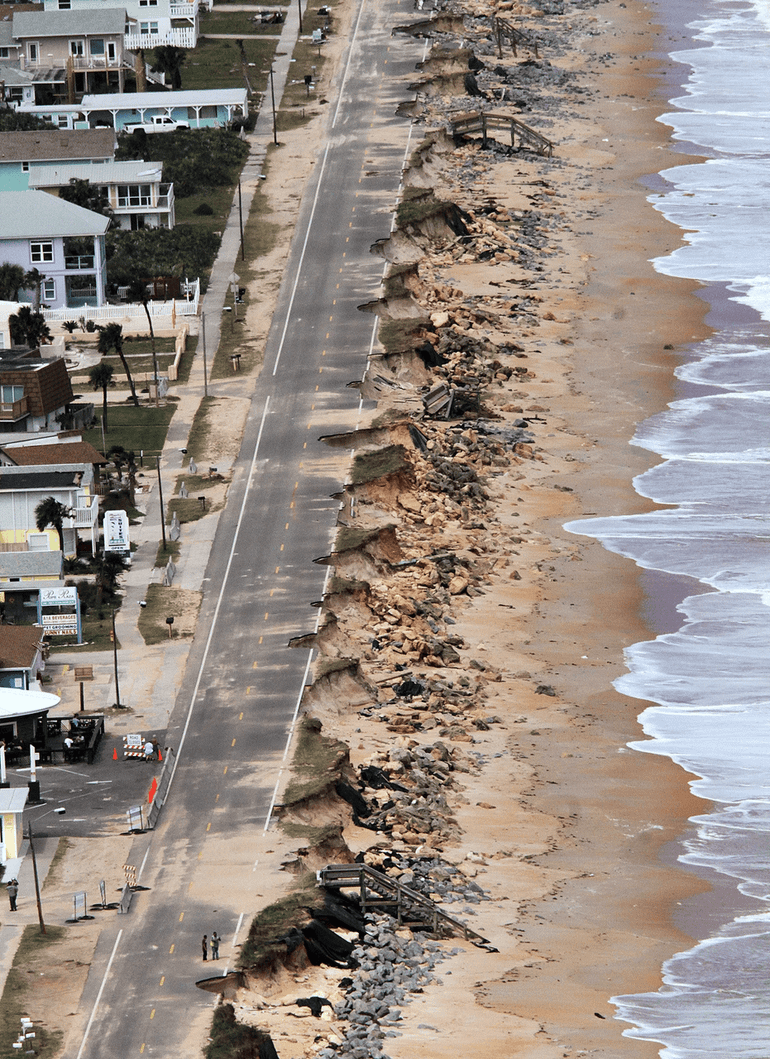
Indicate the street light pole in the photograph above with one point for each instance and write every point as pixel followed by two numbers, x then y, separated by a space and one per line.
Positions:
pixel 118 703
pixel 205 371
pixel 37 883
pixel 162 514
pixel 272 96
pixel 299 9
pixel 240 219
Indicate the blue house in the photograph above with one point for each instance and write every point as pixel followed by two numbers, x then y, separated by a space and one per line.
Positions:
pixel 204 108
pixel 49 149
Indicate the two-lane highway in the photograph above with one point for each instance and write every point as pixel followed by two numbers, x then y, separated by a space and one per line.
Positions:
pixel 242 690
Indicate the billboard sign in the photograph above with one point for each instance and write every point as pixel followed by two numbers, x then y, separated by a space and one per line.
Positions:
pixel 116 532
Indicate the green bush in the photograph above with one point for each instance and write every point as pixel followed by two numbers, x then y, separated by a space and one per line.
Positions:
pixel 204 210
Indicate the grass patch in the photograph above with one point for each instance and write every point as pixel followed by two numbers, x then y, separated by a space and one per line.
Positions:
pixel 97 633
pixel 239 22
pixel 229 1039
pixel 220 200
pixel 163 603
pixel 316 762
pixel 218 63
pixel 416 205
pixel 173 551
pixel 200 429
pixel 351 537
pixel 400 336
pixel 259 238
pixel 138 430
pixel 369 466
pixel 31 956
pixel 197 483
pixel 52 876
pixel 262 945
pixel 340 585
pixel 189 509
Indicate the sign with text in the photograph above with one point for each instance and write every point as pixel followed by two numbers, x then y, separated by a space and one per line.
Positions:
pixel 60 624
pixel 116 532
pixel 58 596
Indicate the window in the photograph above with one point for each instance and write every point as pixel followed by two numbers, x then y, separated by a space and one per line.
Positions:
pixel 49 290
pixel 62 120
pixel 134 195
pixel 9 394
pixel 25 167
pixel 32 52
pixel 5 53
pixel 41 251
pixel 77 48
pixel 64 5
pixel 148 3
pixel 97 46
pixel 148 27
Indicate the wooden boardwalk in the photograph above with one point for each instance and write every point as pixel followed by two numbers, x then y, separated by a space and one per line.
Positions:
pixel 484 122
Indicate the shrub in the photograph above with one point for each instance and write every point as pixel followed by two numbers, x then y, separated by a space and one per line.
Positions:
pixel 204 210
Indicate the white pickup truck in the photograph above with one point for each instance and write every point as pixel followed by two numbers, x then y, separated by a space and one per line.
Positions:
pixel 159 123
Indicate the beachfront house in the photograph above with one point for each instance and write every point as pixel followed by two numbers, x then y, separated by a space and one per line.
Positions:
pixel 50 148
pixel 199 108
pixel 71 53
pixel 152 22
pixel 61 240
pixel 135 190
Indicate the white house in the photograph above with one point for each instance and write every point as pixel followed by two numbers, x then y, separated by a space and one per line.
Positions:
pixel 63 241
pixel 199 108
pixel 153 22
pixel 134 190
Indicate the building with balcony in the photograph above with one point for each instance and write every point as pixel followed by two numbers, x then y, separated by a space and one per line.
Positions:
pixel 70 53
pixel 23 488
pixel 135 190
pixel 63 241
pixel 34 393
pixel 20 151
pixel 152 22
pixel 198 108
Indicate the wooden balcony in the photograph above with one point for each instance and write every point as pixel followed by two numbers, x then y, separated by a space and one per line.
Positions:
pixel 13 410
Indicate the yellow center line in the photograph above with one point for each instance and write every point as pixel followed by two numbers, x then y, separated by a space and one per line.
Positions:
pixel 224 772
pixel 281 547
pixel 152 1013
pixel 171 950
pixel 266 613
pixel 181 916
pixel 208 825
pixel 260 639
pixel 162 979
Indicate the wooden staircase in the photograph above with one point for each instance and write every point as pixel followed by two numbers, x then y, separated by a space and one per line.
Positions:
pixel 377 890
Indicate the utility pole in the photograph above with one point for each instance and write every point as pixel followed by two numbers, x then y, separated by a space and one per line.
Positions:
pixel 205 371
pixel 37 881
pixel 118 703
pixel 162 514
pixel 240 218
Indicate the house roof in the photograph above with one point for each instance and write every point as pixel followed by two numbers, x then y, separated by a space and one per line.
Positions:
pixel 38 215
pixel 16 703
pixel 57 145
pixel 88 22
pixel 30 564
pixel 135 172
pixel 37 455
pixel 12 76
pixel 13 799
pixel 147 100
pixel 19 645
pixel 17 479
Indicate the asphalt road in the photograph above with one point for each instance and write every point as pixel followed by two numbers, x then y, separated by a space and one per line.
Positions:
pixel 235 713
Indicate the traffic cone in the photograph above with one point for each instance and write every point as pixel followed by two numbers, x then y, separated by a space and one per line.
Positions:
pixel 160 754
pixel 114 753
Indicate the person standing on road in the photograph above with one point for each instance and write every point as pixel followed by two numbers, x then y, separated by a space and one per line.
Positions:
pixel 13 890
pixel 205 946
pixel 215 940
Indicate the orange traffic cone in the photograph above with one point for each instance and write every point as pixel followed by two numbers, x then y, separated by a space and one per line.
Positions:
pixel 160 754
pixel 114 753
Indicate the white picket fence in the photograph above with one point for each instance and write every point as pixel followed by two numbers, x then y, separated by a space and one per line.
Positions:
pixel 165 312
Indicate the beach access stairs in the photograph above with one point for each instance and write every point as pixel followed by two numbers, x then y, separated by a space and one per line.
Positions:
pixel 484 122
pixel 377 890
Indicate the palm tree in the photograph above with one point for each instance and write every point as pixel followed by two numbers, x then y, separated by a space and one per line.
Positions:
pixel 108 566
pixel 11 282
pixel 111 337
pixel 50 512
pixel 33 280
pixel 100 377
pixel 137 292
pixel 169 60
pixel 28 328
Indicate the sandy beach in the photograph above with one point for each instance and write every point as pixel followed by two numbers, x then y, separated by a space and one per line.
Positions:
pixel 563 825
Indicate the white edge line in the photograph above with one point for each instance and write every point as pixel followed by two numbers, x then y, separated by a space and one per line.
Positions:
pixel 99 994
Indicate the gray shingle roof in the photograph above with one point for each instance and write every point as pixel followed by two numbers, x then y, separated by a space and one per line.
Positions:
pixel 30 564
pixel 57 145
pixel 38 215
pixel 135 172
pixel 89 22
